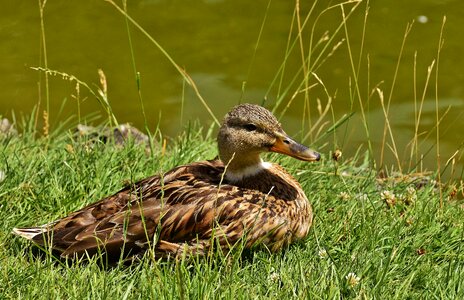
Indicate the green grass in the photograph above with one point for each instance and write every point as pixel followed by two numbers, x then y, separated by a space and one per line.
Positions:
pixel 408 250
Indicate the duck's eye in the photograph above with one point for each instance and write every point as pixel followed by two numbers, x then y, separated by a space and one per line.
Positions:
pixel 250 127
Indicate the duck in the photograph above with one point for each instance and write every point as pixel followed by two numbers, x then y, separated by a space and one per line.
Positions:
pixel 235 199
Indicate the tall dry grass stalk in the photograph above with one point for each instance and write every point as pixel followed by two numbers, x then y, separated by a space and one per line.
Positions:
pixel 44 56
pixel 77 97
pixel 415 156
pixel 255 50
pixel 356 91
pixel 386 108
pixel 437 114
pixel 46 124
pixel 138 80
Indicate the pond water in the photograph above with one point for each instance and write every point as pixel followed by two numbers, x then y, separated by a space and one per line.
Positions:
pixel 233 51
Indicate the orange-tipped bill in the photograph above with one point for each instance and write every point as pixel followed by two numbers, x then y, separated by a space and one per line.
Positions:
pixel 286 145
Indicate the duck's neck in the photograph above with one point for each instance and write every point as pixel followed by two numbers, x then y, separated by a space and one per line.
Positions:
pixel 239 168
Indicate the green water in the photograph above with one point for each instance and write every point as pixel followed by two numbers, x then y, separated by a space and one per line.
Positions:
pixel 216 42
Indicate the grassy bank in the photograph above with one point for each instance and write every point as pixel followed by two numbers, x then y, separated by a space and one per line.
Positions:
pixel 365 243
pixel 374 237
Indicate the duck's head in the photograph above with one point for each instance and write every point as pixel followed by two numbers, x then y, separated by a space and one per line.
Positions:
pixel 246 132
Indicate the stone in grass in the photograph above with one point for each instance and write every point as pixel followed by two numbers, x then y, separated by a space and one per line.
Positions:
pixel 119 134
pixel 7 128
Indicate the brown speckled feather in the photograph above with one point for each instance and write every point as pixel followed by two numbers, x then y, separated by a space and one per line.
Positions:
pixel 185 212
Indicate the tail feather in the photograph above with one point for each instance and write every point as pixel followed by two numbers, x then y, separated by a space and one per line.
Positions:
pixel 30 233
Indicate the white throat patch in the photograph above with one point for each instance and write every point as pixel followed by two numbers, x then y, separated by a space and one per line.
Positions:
pixel 234 176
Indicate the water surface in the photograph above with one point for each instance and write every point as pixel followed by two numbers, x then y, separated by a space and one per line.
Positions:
pixel 216 43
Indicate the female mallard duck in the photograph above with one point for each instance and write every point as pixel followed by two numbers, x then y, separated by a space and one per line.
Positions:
pixel 194 207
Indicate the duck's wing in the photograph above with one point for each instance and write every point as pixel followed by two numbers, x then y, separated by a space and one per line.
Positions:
pixel 130 215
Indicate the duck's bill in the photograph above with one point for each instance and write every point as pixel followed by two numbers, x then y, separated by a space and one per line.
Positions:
pixel 287 146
